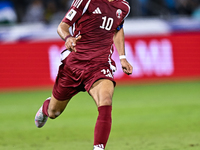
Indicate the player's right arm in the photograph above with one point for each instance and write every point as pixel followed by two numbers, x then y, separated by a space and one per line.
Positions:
pixel 75 12
pixel 63 32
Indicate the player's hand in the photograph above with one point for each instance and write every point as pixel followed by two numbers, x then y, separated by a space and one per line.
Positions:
pixel 126 67
pixel 71 43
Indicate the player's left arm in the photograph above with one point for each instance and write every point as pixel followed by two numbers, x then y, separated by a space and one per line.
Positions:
pixel 120 46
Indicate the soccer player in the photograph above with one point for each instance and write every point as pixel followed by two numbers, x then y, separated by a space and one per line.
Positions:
pixel 89 29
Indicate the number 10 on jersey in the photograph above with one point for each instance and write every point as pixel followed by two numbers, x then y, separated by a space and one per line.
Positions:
pixel 107 23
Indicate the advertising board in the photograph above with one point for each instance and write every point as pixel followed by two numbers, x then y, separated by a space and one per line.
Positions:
pixel 160 57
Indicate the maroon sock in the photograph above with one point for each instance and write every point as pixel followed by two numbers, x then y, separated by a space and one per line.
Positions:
pixel 45 106
pixel 103 126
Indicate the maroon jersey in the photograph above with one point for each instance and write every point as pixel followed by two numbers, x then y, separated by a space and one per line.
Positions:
pixel 96 21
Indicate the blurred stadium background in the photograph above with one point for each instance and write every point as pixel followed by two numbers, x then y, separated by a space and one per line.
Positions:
pixel 155 108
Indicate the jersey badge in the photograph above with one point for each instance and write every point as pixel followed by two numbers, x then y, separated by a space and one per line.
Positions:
pixel 70 15
pixel 119 13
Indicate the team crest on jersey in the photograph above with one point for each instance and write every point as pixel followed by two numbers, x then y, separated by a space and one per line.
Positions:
pixel 119 13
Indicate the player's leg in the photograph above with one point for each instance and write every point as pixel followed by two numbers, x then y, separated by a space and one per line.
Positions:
pixel 102 92
pixel 63 90
pixel 56 107
pixel 51 108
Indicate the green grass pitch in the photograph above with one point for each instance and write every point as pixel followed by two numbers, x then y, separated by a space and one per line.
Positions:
pixel 164 116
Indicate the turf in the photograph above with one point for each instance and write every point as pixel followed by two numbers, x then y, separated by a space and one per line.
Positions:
pixel 163 116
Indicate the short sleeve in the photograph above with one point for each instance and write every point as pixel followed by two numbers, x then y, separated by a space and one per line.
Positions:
pixel 76 11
